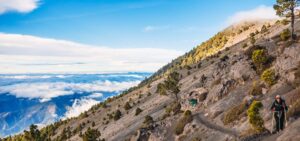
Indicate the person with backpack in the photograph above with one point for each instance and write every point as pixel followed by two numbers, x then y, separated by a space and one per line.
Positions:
pixel 279 109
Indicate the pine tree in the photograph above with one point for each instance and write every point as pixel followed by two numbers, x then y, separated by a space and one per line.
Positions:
pixel 91 135
pixel 33 134
pixel 286 8
pixel 172 83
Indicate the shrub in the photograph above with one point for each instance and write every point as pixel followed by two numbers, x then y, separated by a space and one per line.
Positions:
pixel 117 115
pixel 269 77
pixel 239 31
pixel 263 29
pixel 284 22
pixel 295 109
pixel 259 58
pixel 84 115
pixel 127 106
pixel 254 117
pixel 216 82
pixel 256 32
pixel 138 111
pixel 244 45
pixel 189 67
pixel 224 58
pixel 91 135
pixel 161 89
pixel 172 109
pixel 252 38
pixel 187 118
pixel 285 34
pixel 234 113
pixel 296 82
pixel 188 73
pixel 256 89
pixel 148 120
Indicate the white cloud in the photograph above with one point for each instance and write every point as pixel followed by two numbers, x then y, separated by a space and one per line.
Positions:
pixel 78 107
pixel 33 76
pixel 22 6
pixel 151 28
pixel 259 13
pixel 121 75
pixel 45 91
pixel 95 95
pixel 30 54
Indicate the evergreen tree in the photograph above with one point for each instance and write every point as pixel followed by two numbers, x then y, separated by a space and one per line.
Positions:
pixel 127 106
pixel 117 115
pixel 91 135
pixel 33 134
pixel 172 83
pixel 286 8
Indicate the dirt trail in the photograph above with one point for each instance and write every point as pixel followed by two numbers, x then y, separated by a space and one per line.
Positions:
pixel 271 137
pixel 203 120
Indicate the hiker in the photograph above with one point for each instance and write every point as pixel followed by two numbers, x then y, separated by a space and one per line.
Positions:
pixel 279 109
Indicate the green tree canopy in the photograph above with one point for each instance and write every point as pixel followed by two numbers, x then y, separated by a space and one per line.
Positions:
pixel 286 8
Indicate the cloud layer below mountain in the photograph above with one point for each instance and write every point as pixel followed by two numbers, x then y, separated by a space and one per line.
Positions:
pixel 30 54
pixel 47 90
pixel 79 106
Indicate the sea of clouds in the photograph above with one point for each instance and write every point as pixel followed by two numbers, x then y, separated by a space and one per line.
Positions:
pixel 45 87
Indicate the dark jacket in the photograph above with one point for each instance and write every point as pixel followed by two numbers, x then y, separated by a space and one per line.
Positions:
pixel 279 106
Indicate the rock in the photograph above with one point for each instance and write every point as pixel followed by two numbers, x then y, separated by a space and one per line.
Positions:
pixel 199 93
pixel 220 90
pixel 242 70
pixel 287 61
pixel 248 99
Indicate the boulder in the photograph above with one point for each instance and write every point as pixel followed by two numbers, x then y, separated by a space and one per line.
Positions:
pixel 199 93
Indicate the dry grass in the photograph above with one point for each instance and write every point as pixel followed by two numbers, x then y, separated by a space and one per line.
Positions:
pixel 235 113
pixel 187 118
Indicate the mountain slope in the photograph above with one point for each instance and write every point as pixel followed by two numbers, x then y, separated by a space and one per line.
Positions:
pixel 225 77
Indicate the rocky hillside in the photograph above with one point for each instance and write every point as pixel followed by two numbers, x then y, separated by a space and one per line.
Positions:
pixel 221 90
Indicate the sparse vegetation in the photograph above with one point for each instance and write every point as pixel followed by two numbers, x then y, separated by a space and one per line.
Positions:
pixel 259 58
pixel 264 29
pixel 117 115
pixel 235 113
pixel 138 111
pixel 148 120
pixel 256 89
pixel 187 118
pixel 286 8
pixel 284 22
pixel 127 106
pixel 252 38
pixel 173 109
pixel 296 82
pixel 254 117
pixel 295 109
pixel 269 77
pixel 285 34
pixel 244 45
pixel 161 89
pixel 91 135
pixel 169 85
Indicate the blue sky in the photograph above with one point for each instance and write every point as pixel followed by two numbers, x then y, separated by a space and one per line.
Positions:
pixel 176 25
pixel 121 23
